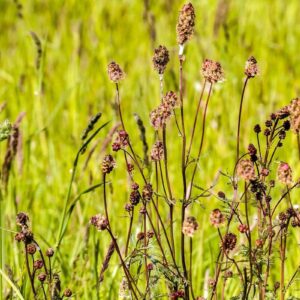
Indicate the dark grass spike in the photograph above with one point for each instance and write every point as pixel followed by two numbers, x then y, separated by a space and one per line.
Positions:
pixel 110 252
pixel 142 129
pixel 39 49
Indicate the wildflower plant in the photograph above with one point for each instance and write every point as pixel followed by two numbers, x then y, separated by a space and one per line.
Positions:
pixel 251 222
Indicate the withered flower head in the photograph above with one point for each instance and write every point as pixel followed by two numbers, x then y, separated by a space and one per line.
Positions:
pixel 294 110
pixel 42 277
pixel 99 221
pixel 108 164
pixel 160 59
pixel 190 225
pixel 135 197
pixel 245 169
pixel 186 23
pixel 115 72
pixel 157 151
pixel 147 192
pixel 212 71
pixel 229 242
pixel 217 218
pixel 251 68
pixel 284 173
pixel 22 219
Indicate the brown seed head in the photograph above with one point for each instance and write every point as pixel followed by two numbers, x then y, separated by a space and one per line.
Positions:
pixel 147 192
pixel 42 277
pixel 229 242
pixel 160 59
pixel 38 264
pixel 49 252
pixel 22 219
pixel 31 249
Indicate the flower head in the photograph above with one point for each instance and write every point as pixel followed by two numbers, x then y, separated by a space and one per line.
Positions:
pixel 157 151
pixel 217 218
pixel 115 72
pixel 99 221
pixel 186 23
pixel 229 242
pixel 294 110
pixel 212 71
pixel 160 59
pixel 108 164
pixel 190 225
pixel 5 130
pixel 251 69
pixel 245 169
pixel 284 173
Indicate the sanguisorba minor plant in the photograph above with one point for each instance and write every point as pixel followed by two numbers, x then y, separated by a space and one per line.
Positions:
pixel 252 223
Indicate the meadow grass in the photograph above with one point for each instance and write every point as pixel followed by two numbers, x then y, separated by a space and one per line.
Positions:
pixel 79 39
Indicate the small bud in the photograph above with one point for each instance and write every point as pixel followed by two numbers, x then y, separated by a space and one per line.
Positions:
pixel 22 219
pixel 42 277
pixel 49 252
pixel 67 293
pixel 31 249
pixel 257 128
pixel 38 264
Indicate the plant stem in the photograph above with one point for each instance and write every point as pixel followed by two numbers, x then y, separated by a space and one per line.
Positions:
pixel 239 120
pixel 183 169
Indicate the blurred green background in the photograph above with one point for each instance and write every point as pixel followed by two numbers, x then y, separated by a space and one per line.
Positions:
pixel 79 39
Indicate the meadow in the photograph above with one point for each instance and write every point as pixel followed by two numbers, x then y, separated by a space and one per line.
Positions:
pixel 54 79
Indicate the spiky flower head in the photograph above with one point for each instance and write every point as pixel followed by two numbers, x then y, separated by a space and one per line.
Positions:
pixel 121 140
pixel 5 130
pixel 108 164
pixel 157 151
pixel 284 173
pixel 99 221
pixel 185 24
pixel 160 59
pixel 115 72
pixel 217 218
pixel 245 169
pixel 251 68
pixel 294 110
pixel 190 225
pixel 212 71
pixel 229 242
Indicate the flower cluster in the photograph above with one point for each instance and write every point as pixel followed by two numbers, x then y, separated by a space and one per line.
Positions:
pixel 217 218
pixel 108 164
pixel 115 72
pixel 157 151
pixel 212 71
pixel 99 221
pixel 294 111
pixel 284 173
pixel 245 169
pixel 251 69
pixel 160 115
pixel 121 141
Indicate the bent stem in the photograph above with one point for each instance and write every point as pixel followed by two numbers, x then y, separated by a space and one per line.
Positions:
pixel 239 120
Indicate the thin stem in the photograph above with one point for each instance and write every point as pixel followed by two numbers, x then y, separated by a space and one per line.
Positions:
pixel 183 169
pixel 29 273
pixel 202 140
pixel 191 271
pixel 298 142
pixel 239 120
pixel 129 233
pixel 195 122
